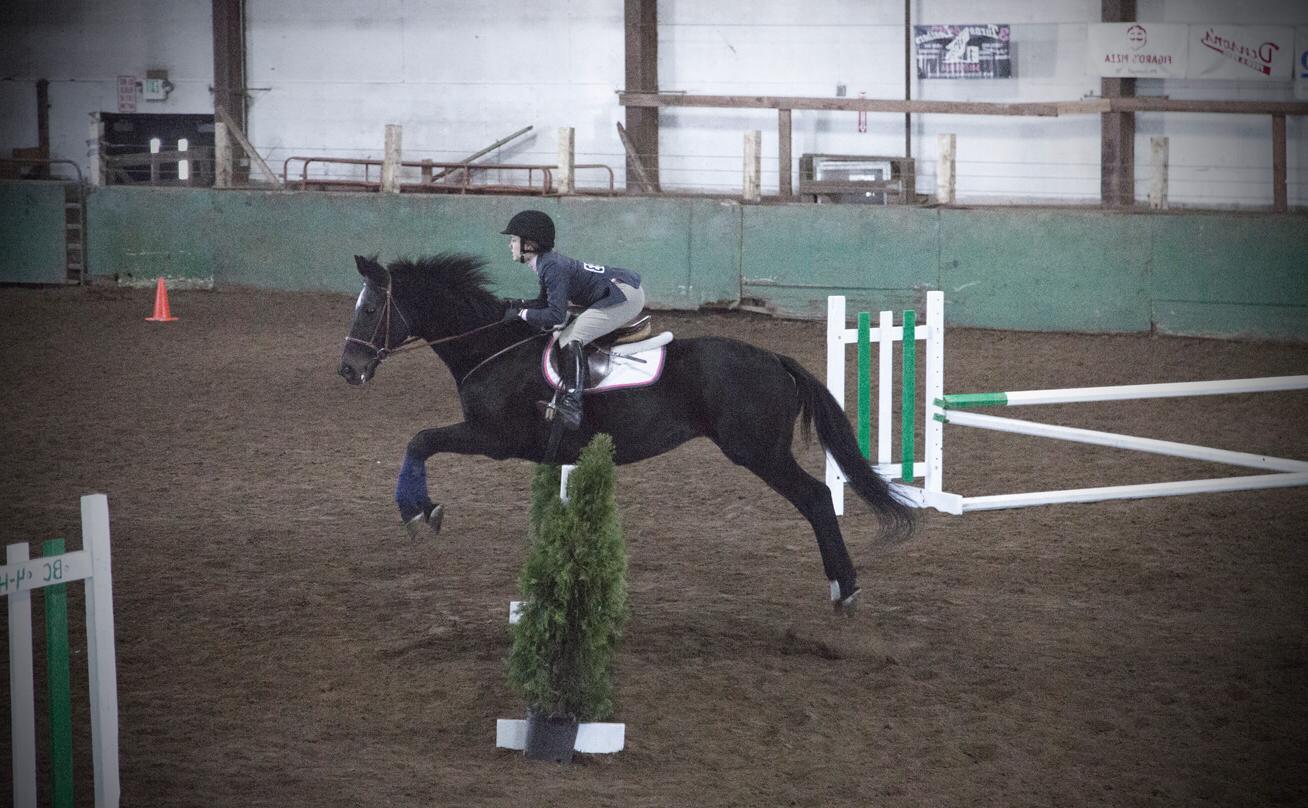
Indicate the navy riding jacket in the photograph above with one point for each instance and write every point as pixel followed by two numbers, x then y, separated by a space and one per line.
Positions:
pixel 565 280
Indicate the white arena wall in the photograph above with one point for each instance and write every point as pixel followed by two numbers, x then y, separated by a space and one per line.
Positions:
pixel 458 75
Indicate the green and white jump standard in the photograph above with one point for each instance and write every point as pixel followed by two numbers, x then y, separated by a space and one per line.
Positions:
pixel 19 577
pixel 939 409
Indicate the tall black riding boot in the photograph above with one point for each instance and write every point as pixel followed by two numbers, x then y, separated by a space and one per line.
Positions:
pixel 572 372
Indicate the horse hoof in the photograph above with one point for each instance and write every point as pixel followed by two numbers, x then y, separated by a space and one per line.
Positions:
pixel 425 525
pixel 848 604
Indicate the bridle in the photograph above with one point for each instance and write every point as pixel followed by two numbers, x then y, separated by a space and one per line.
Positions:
pixel 380 352
pixel 384 350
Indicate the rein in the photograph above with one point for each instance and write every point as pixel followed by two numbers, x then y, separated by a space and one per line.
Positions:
pixel 384 325
pixel 498 353
pixel 385 350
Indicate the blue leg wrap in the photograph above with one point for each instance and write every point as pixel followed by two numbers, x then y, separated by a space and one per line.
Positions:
pixel 411 488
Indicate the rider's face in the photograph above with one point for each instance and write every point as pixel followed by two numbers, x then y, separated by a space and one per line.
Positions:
pixel 515 248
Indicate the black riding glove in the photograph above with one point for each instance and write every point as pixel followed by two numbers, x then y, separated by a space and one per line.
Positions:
pixel 511 313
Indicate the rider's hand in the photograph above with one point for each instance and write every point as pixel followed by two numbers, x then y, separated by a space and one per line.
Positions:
pixel 511 313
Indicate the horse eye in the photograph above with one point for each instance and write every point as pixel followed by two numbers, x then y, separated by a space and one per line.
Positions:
pixel 370 309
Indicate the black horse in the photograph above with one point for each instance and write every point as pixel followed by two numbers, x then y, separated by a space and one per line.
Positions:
pixel 743 398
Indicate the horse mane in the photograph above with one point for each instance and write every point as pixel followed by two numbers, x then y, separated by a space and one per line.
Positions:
pixel 449 287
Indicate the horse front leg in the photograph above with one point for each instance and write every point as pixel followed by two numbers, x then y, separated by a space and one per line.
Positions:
pixel 421 516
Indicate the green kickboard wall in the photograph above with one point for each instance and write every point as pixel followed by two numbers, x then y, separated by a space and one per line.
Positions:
pixel 32 232
pixel 1201 273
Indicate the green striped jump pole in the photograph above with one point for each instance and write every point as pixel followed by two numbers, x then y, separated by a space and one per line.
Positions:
pixel 61 711
pixel 909 387
pixel 865 383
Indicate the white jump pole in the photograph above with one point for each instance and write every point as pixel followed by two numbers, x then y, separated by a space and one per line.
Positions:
pixel 1162 447
pixel 1126 392
pixel 836 385
pixel 1150 490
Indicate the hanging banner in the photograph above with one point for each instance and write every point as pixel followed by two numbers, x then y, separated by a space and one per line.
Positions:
pixel 963 51
pixel 1242 52
pixel 1301 63
pixel 1138 49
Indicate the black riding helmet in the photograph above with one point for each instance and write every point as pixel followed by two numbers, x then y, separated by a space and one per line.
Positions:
pixel 532 225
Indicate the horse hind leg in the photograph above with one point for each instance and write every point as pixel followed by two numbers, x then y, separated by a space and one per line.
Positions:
pixel 812 498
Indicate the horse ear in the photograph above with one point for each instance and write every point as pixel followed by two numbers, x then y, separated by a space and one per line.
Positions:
pixel 371 270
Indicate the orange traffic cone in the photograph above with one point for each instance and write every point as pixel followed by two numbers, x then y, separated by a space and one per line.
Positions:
pixel 161 313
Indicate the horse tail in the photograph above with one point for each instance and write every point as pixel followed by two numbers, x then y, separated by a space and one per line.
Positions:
pixel 818 406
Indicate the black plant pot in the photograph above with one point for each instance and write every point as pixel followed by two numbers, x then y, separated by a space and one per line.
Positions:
pixel 550 737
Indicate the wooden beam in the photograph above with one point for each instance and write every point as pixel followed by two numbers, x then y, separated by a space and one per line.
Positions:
pixel 783 154
pixel 239 134
pixel 642 76
pixel 1280 202
pixel 633 160
pixel 629 100
pixel 453 172
pixel 1091 106
pixel 1138 104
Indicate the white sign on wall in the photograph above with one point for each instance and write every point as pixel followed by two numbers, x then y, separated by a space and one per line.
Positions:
pixel 127 93
pixel 1244 52
pixel 1143 49
pixel 1301 63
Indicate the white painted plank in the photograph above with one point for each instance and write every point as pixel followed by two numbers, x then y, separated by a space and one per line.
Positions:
pixel 593 738
pixel 41 572
pixel 22 693
pixel 101 658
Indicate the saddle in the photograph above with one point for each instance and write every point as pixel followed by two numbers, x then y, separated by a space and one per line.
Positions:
pixel 622 359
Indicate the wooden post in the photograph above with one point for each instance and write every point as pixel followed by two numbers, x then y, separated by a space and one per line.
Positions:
pixel 783 153
pixel 753 165
pixel 222 156
pixel 1280 202
pixel 1117 129
pixel 1158 182
pixel 567 161
pixel 945 170
pixel 641 41
pixel 95 151
pixel 154 162
pixel 390 177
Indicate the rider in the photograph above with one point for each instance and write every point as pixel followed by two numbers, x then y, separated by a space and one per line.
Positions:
pixel 611 296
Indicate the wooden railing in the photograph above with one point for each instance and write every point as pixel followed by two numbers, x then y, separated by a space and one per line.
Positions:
pixel 784 105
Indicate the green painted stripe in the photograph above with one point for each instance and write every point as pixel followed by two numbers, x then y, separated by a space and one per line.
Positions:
pixel 941 418
pixel 865 383
pixel 907 413
pixel 56 650
pixel 963 400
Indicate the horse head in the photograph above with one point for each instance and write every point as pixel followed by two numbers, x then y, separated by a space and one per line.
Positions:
pixel 379 326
